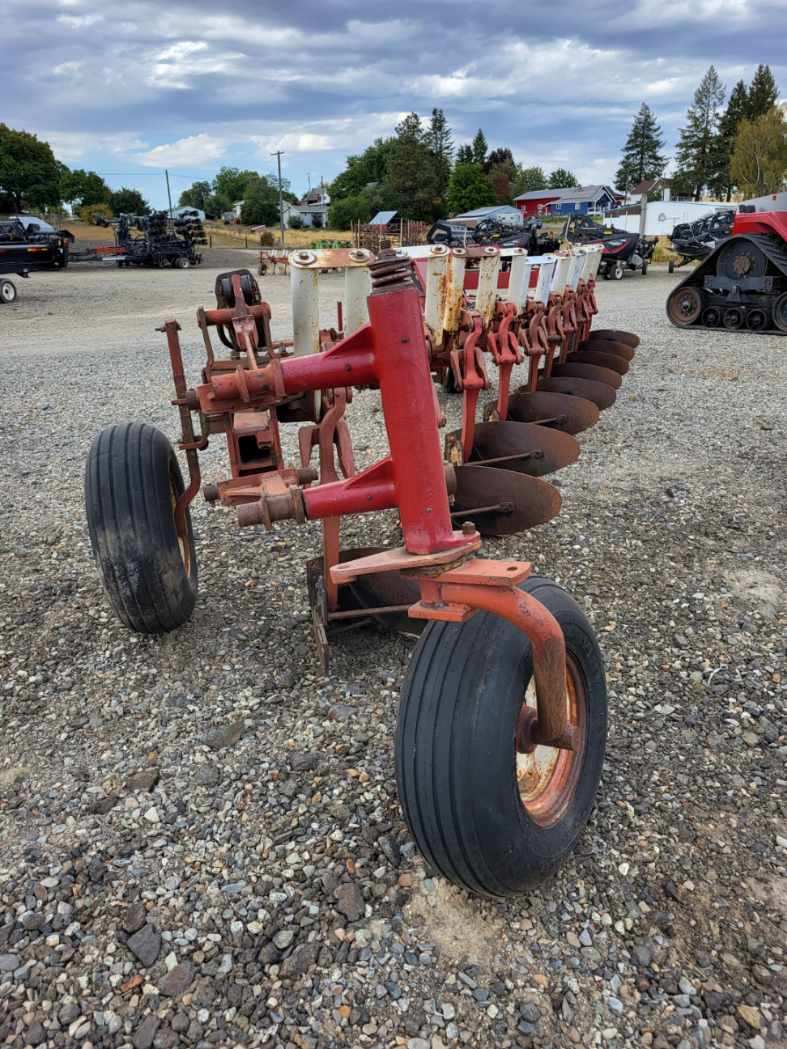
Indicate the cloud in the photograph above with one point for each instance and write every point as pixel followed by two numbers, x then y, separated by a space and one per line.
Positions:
pixel 194 151
pixel 192 84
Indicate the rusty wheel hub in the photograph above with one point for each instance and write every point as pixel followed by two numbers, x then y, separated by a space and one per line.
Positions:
pixel 547 777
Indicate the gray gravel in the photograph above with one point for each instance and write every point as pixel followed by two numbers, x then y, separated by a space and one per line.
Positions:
pixel 201 843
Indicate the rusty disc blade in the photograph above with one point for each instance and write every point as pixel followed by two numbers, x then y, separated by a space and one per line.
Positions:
pixel 627 337
pixel 599 393
pixel 502 502
pixel 581 370
pixel 495 441
pixel 603 360
pixel 620 349
pixel 558 411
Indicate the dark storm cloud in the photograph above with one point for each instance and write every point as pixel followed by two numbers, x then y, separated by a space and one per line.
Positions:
pixel 194 84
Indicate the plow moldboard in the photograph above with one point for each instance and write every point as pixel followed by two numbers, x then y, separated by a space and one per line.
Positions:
pixel 525 501
pixel 495 440
pixel 575 413
pixel 599 393
pixel 581 370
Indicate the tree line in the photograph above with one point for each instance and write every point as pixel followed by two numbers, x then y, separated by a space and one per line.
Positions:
pixel 418 173
pixel 742 146
pixel 259 193
pixel 32 177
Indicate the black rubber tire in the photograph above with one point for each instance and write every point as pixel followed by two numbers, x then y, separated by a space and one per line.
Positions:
pixel 644 267
pixel 618 271
pixel 130 479
pixel 455 752
pixel 671 266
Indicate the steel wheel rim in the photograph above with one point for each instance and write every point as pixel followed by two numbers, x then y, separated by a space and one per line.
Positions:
pixel 7 291
pixel 547 778
pixel 181 527
pixel 685 306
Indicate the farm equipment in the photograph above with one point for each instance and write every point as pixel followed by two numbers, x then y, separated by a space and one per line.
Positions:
pixel 493 232
pixel 26 249
pixel 696 240
pixel 622 251
pixel 742 284
pixel 502 723
pixel 160 241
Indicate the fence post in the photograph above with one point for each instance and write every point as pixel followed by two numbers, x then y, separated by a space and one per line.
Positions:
pixel 210 240
pixel 245 242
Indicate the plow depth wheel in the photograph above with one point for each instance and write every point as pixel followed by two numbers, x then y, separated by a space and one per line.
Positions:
pixel 485 814
pixel 684 306
pixel 147 560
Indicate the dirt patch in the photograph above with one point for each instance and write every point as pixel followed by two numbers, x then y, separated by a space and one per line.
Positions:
pixel 453 924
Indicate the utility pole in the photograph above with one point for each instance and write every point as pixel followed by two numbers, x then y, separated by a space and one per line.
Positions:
pixel 169 195
pixel 278 154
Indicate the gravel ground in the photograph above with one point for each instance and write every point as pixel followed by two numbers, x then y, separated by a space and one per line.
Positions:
pixel 201 843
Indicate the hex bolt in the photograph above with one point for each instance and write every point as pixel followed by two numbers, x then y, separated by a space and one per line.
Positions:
pixel 468 528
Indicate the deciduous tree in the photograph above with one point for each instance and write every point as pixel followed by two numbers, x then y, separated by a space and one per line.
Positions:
pixel 125 201
pixel 468 188
pixel 562 178
pixel 29 174
pixel 759 162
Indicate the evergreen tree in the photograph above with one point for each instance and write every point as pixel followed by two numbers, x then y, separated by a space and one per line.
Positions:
pixel 464 155
pixel 441 143
pixel 469 188
pixel 763 93
pixel 700 156
pixel 479 148
pixel 642 157
pixel 736 111
pixel 561 178
pixel 498 156
pixel 412 172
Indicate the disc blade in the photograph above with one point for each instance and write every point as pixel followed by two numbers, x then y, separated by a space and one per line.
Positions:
pixel 599 393
pixel 571 414
pixel 522 502
pixel 628 337
pixel 581 370
pixel 620 349
pixel 499 440
pixel 603 360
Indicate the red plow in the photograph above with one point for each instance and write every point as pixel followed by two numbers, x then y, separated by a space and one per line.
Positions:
pixel 502 723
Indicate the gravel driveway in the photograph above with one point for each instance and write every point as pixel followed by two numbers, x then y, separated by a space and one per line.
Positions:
pixel 201 843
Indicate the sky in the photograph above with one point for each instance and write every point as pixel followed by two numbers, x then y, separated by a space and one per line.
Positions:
pixel 129 89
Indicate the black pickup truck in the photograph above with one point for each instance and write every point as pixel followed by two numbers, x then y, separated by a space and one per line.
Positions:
pixel 26 248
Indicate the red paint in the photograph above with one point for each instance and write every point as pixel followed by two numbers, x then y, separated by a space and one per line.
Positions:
pixel 761 222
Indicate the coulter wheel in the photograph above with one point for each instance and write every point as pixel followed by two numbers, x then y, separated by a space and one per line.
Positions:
pixel 145 555
pixel 684 306
pixel 490 814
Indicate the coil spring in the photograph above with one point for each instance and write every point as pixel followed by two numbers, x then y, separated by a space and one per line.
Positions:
pixel 390 272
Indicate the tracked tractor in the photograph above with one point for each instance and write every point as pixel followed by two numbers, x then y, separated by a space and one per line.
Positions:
pixel 743 283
